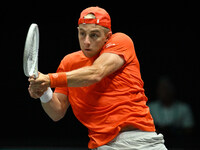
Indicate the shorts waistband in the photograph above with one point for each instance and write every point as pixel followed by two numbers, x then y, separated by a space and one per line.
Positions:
pixel 134 134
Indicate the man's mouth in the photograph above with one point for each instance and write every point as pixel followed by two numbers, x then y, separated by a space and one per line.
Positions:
pixel 87 49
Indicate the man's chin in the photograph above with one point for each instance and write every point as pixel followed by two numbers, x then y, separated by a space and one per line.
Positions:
pixel 88 54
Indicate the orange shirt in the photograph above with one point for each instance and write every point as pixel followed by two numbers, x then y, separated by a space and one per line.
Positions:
pixel 116 101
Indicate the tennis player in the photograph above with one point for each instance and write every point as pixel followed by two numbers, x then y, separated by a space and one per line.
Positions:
pixel 103 85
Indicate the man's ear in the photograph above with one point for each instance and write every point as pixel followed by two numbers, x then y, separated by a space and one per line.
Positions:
pixel 108 35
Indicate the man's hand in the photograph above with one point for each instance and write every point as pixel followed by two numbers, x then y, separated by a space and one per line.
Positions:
pixel 41 82
pixel 38 86
pixel 34 93
pixel 57 106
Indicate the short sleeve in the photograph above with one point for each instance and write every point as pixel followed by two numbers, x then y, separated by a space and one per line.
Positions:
pixel 121 45
pixel 62 68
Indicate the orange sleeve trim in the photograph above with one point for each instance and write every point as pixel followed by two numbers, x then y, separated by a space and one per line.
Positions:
pixel 58 79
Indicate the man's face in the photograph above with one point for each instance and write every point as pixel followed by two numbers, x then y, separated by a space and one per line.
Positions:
pixel 91 39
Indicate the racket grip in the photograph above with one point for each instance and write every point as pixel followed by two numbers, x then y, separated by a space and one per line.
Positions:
pixel 47 96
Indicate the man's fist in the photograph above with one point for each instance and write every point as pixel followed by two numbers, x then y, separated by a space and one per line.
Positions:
pixel 38 86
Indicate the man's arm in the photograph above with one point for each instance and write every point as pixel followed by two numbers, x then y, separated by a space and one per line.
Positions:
pixel 104 65
pixel 56 107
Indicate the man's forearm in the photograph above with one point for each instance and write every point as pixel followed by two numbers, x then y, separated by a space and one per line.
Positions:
pixel 84 76
pixel 54 108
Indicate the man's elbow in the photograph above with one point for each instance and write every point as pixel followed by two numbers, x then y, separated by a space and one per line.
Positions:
pixel 94 76
pixel 58 116
pixel 56 119
pixel 98 75
pixel 97 78
pixel 94 79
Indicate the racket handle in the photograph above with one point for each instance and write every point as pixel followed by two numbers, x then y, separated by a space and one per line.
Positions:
pixel 47 96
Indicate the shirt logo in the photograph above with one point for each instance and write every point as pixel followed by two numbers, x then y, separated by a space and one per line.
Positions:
pixel 110 44
pixel 55 75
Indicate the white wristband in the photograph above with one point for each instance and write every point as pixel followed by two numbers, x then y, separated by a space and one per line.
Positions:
pixel 47 96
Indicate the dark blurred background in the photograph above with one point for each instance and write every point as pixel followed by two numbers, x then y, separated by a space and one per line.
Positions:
pixel 166 43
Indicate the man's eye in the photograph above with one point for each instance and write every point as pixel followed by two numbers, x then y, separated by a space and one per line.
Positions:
pixel 94 35
pixel 82 33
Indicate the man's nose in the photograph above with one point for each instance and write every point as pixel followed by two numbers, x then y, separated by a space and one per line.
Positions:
pixel 87 40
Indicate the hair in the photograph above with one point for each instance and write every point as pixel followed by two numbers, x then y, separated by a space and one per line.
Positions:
pixel 92 16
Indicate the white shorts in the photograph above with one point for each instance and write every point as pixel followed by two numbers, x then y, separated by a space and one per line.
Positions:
pixel 135 140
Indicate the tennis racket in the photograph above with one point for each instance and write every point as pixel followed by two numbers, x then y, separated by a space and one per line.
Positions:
pixel 31 48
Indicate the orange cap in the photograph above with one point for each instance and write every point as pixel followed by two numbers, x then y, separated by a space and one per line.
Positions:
pixel 102 18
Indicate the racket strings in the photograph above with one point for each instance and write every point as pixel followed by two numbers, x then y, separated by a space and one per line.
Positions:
pixel 31 52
